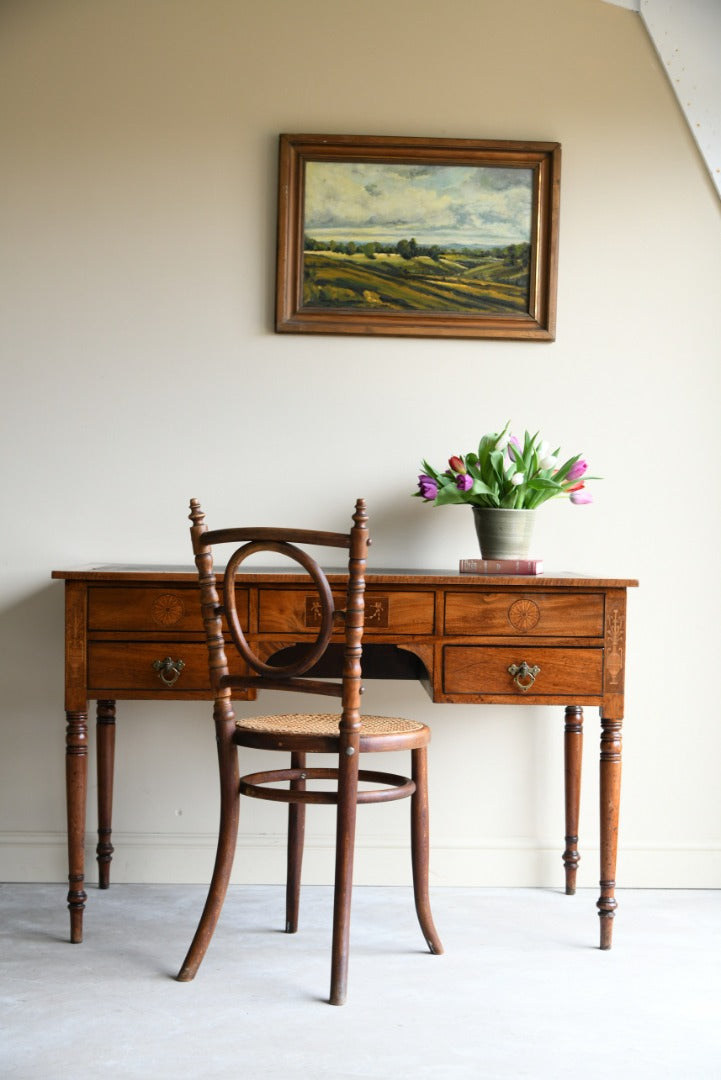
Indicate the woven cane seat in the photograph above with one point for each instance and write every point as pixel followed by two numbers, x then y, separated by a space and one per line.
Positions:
pixel 294 730
pixel 325 724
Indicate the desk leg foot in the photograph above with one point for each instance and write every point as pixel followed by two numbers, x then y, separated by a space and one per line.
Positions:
pixel 572 754
pixel 106 764
pixel 76 906
pixel 76 786
pixel 607 909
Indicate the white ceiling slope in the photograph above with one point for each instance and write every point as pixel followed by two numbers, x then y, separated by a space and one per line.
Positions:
pixel 687 37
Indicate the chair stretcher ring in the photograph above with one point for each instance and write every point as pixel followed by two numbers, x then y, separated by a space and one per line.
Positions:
pixel 253 784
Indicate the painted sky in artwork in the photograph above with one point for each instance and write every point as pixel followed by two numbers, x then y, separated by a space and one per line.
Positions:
pixel 434 204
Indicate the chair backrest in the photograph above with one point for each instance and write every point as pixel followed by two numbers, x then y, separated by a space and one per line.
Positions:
pixel 218 616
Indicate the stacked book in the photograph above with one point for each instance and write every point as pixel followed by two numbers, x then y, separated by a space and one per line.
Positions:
pixel 501 566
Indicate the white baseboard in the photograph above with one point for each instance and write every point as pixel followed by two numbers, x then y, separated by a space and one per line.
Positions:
pixel 154 857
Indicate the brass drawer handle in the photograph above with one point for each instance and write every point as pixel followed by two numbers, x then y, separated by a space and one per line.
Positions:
pixel 168 670
pixel 524 676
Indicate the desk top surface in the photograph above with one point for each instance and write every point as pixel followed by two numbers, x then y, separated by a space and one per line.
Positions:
pixel 164 573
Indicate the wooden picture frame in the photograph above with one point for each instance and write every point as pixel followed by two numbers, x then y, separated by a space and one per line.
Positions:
pixel 412 236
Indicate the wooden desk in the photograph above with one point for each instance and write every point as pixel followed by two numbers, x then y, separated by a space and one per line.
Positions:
pixel 136 633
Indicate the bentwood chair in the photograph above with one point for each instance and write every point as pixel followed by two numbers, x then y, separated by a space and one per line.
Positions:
pixel 345 733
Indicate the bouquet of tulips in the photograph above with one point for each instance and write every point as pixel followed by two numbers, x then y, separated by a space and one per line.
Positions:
pixel 508 473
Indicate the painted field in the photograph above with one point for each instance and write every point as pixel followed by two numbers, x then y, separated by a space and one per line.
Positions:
pixel 453 281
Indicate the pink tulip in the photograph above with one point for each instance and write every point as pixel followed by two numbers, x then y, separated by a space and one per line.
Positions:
pixel 580 497
pixel 576 471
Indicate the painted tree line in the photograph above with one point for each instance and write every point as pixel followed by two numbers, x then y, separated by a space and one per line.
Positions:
pixel 513 255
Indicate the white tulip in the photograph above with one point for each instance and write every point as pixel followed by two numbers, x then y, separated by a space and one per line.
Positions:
pixel 517 479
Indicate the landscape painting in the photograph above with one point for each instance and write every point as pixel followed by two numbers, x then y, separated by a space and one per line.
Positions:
pixel 417 237
pixel 409 236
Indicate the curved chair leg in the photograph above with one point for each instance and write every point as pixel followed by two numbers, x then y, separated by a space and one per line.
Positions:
pixel 420 848
pixel 296 837
pixel 344 851
pixel 227 838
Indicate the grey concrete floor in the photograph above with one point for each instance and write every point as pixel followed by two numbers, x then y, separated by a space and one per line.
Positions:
pixel 521 991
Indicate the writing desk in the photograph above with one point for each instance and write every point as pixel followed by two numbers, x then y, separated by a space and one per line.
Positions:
pixel 135 632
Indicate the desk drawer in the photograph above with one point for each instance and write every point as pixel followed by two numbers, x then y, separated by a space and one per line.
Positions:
pixel 152 609
pixel 541 614
pixel 297 611
pixel 478 669
pixel 128 665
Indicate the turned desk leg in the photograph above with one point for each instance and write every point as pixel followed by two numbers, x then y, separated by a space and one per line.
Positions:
pixel 610 799
pixel 106 762
pixel 572 755
pixel 76 787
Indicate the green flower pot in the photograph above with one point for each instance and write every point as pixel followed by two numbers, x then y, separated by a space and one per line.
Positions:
pixel 503 534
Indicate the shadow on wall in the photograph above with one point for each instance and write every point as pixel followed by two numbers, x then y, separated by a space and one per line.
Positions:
pixel 422 529
pixel 32 645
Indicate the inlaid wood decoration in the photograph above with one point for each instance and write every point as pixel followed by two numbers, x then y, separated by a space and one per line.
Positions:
pixel 167 609
pixel 426 237
pixel 376 611
pixel 616 646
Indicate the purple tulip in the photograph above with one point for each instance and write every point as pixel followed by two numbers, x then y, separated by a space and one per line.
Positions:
pixel 514 448
pixel 581 497
pixel 427 487
pixel 464 482
pixel 576 471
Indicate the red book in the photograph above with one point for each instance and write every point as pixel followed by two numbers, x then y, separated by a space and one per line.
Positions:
pixel 501 566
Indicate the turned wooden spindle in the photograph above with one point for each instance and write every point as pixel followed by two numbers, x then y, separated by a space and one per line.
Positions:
pixel 610 797
pixel 76 768
pixel 572 753
pixel 105 732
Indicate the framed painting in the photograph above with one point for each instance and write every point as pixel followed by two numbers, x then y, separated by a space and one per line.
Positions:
pixel 411 236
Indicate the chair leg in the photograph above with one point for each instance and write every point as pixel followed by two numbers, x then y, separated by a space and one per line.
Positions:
pixel 344 851
pixel 227 838
pixel 296 837
pixel 420 848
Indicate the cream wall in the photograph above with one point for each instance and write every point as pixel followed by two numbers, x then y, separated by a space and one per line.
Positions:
pixel 140 368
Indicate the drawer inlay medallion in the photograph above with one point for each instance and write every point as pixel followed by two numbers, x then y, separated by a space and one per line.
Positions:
pixel 167 609
pixel 523 615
